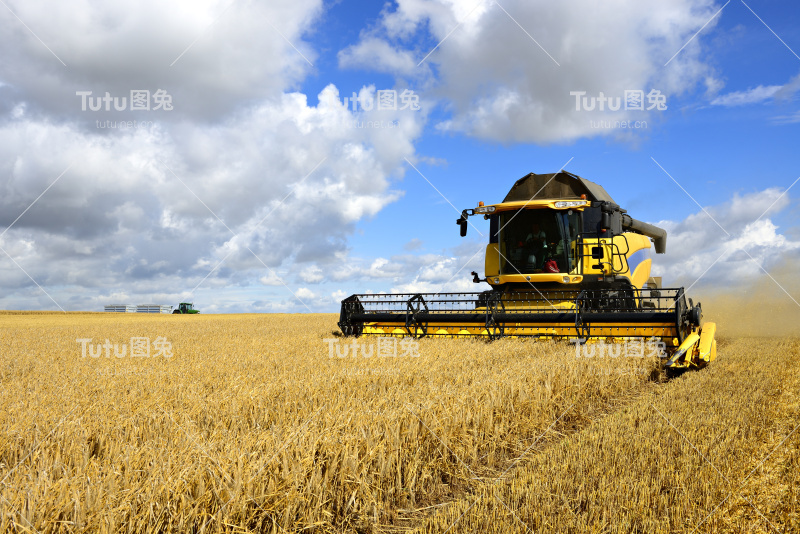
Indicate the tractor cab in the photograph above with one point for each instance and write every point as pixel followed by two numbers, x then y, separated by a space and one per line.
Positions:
pixel 186 307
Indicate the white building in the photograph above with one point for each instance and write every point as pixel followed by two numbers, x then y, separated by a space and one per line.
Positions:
pixel 124 308
pixel 153 308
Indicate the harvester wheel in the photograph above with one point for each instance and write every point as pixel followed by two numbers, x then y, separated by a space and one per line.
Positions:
pixel 351 306
pixel 414 307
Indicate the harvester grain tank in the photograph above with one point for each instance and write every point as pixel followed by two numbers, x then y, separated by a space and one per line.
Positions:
pixel 563 261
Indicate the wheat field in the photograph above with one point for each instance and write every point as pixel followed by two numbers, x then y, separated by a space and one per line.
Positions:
pixel 261 423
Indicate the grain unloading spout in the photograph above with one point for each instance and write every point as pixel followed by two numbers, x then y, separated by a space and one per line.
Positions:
pixel 659 235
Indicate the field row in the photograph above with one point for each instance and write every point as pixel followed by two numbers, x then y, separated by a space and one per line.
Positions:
pixel 715 451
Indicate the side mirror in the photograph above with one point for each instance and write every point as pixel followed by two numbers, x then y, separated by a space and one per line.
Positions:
pixel 462 222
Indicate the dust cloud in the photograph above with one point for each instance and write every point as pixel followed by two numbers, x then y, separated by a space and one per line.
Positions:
pixel 762 309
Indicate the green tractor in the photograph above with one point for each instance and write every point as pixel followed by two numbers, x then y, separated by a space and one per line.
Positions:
pixel 185 307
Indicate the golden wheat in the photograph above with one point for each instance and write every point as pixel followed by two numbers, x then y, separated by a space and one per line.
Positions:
pixel 713 452
pixel 251 426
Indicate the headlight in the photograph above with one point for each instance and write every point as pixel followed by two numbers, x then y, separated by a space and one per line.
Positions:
pixel 485 209
pixel 570 203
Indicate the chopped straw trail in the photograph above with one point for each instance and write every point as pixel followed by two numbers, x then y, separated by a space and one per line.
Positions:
pixel 251 426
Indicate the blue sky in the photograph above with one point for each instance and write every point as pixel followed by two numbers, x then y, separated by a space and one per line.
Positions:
pixel 713 151
pixel 172 211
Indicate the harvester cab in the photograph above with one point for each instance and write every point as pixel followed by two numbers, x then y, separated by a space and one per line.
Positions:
pixel 563 261
pixel 185 307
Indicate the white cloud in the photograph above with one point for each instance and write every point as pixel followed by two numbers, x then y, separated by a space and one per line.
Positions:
pixel 155 195
pixel 751 96
pixel 378 55
pixel 414 244
pixel 498 84
pixel 305 294
pixel 311 275
pixel 270 279
pixel 243 176
pixel 787 119
pixel 429 267
pixel 410 273
pixel 699 249
pixel 788 90
pixel 235 56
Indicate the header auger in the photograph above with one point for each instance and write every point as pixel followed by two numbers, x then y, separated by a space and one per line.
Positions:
pixel 563 261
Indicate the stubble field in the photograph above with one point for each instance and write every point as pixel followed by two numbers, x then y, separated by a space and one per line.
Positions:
pixel 250 426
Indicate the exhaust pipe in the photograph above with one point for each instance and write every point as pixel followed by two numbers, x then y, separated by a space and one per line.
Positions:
pixel 659 235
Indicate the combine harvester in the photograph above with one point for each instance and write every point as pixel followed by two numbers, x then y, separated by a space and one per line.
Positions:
pixel 564 261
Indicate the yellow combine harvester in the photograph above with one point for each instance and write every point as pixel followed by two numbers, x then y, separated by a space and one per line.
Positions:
pixel 564 261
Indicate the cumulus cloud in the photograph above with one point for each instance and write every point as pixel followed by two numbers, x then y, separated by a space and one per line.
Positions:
pixel 210 55
pixel 284 182
pixel 248 189
pixel 305 294
pixel 506 72
pixel 244 186
pixel 448 270
pixel 731 244
pixel 311 275
pixel 379 56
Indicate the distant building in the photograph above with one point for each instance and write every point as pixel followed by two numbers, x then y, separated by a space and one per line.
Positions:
pixel 153 308
pixel 141 308
pixel 121 308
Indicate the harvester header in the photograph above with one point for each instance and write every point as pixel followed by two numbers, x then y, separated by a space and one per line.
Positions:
pixel 563 261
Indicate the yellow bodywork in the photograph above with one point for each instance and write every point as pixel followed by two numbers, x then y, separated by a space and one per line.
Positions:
pixel 698 349
pixel 707 346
